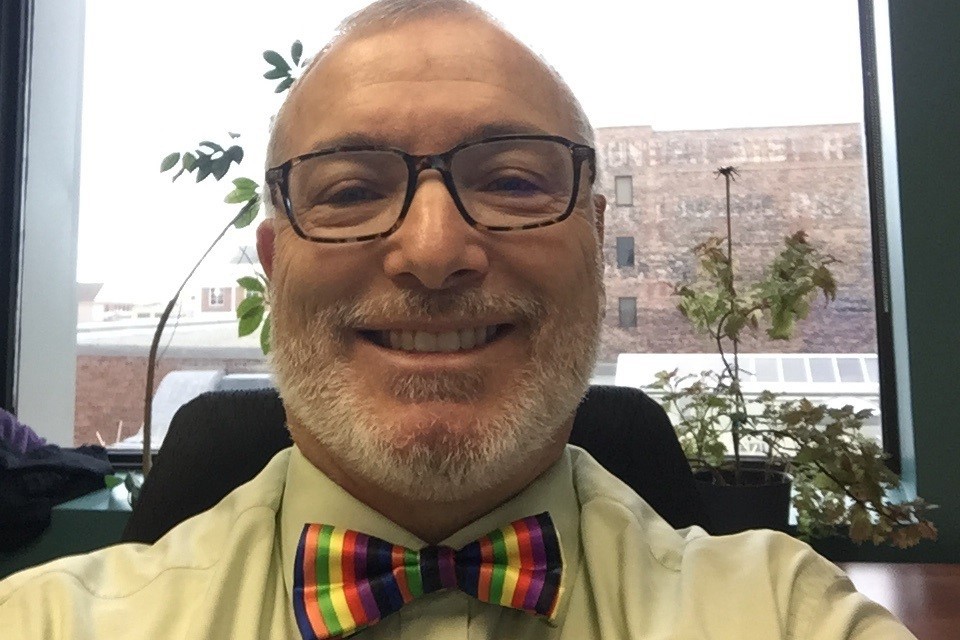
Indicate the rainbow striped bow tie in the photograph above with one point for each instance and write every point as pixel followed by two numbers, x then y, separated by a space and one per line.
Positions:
pixel 344 581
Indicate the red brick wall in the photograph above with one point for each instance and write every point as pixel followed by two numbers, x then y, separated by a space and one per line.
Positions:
pixel 110 389
pixel 791 178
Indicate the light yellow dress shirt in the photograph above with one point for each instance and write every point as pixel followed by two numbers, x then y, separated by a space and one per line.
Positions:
pixel 227 573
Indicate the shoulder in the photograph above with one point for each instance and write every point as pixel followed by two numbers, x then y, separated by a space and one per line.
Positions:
pixel 182 557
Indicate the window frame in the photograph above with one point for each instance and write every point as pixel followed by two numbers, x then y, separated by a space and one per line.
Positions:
pixel 46 339
pixel 620 310
pixel 15 30
pixel 623 264
pixel 51 146
pixel 221 298
pixel 628 202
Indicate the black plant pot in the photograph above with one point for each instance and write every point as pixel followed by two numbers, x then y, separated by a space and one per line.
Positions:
pixel 761 501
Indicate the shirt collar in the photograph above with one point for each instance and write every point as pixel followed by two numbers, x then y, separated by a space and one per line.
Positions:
pixel 310 496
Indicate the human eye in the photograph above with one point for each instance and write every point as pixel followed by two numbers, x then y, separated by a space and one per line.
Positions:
pixel 350 195
pixel 519 185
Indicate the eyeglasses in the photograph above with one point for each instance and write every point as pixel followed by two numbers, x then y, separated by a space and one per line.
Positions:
pixel 502 183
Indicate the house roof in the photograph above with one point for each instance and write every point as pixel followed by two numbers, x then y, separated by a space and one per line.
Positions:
pixel 87 291
pixel 246 255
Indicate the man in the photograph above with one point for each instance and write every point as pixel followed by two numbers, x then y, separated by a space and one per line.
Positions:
pixel 434 261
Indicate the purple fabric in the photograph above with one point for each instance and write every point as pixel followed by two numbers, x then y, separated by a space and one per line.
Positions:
pixel 18 437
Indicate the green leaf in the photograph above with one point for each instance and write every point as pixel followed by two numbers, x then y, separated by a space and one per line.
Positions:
pixel 296 51
pixel 220 167
pixel 246 183
pixel 169 162
pixel 249 323
pixel 276 74
pixel 276 60
pixel 265 336
pixel 112 481
pixel 251 284
pixel 248 213
pixel 238 195
pixel 233 135
pixel 283 86
pixel 249 305
pixel 176 175
pixel 189 161
pixel 213 146
pixel 235 152
pixel 203 171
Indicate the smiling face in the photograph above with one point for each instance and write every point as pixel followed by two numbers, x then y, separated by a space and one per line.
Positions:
pixel 439 360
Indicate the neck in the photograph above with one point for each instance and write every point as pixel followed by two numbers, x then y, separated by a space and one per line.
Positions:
pixel 430 521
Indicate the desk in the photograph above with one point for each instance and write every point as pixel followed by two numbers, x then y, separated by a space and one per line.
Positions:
pixel 926 597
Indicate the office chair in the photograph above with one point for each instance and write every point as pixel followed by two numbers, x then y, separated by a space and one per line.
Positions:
pixel 222 439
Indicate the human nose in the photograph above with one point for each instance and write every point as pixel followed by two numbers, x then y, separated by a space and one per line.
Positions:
pixel 435 247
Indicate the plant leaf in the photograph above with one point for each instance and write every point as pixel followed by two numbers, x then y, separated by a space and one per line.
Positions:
pixel 220 167
pixel 169 162
pixel 296 50
pixel 213 146
pixel 283 86
pixel 251 284
pixel 248 213
pixel 276 74
pixel 265 336
pixel 235 152
pixel 249 305
pixel 245 183
pixel 249 323
pixel 238 195
pixel 276 60
pixel 189 161
pixel 233 135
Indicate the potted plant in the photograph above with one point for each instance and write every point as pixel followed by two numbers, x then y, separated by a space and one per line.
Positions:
pixel 811 455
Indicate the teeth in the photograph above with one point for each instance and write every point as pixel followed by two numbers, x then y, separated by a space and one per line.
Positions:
pixel 423 341
pixel 438 342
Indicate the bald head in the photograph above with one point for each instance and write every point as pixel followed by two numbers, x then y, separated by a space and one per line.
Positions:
pixel 389 17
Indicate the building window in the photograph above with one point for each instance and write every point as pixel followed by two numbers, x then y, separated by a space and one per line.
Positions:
pixel 216 297
pixel 628 312
pixel 624 191
pixel 625 251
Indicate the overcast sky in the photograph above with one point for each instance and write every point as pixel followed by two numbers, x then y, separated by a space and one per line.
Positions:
pixel 161 76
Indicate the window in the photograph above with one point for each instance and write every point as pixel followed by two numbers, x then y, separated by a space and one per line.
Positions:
pixel 216 297
pixel 624 191
pixel 628 312
pixel 664 132
pixel 625 251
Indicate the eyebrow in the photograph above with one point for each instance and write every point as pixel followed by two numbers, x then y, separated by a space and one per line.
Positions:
pixel 488 130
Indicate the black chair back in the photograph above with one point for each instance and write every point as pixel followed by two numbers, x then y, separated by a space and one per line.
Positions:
pixel 223 439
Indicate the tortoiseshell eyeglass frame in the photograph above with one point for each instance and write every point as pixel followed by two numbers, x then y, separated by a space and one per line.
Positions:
pixel 277 179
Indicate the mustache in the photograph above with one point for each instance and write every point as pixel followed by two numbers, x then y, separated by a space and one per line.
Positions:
pixel 461 306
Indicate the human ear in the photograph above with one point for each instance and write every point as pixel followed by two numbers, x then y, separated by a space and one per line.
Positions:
pixel 599 206
pixel 265 245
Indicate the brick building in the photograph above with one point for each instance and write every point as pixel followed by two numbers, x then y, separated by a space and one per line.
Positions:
pixel 663 199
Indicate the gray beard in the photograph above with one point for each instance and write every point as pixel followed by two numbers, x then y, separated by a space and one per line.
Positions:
pixel 431 459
